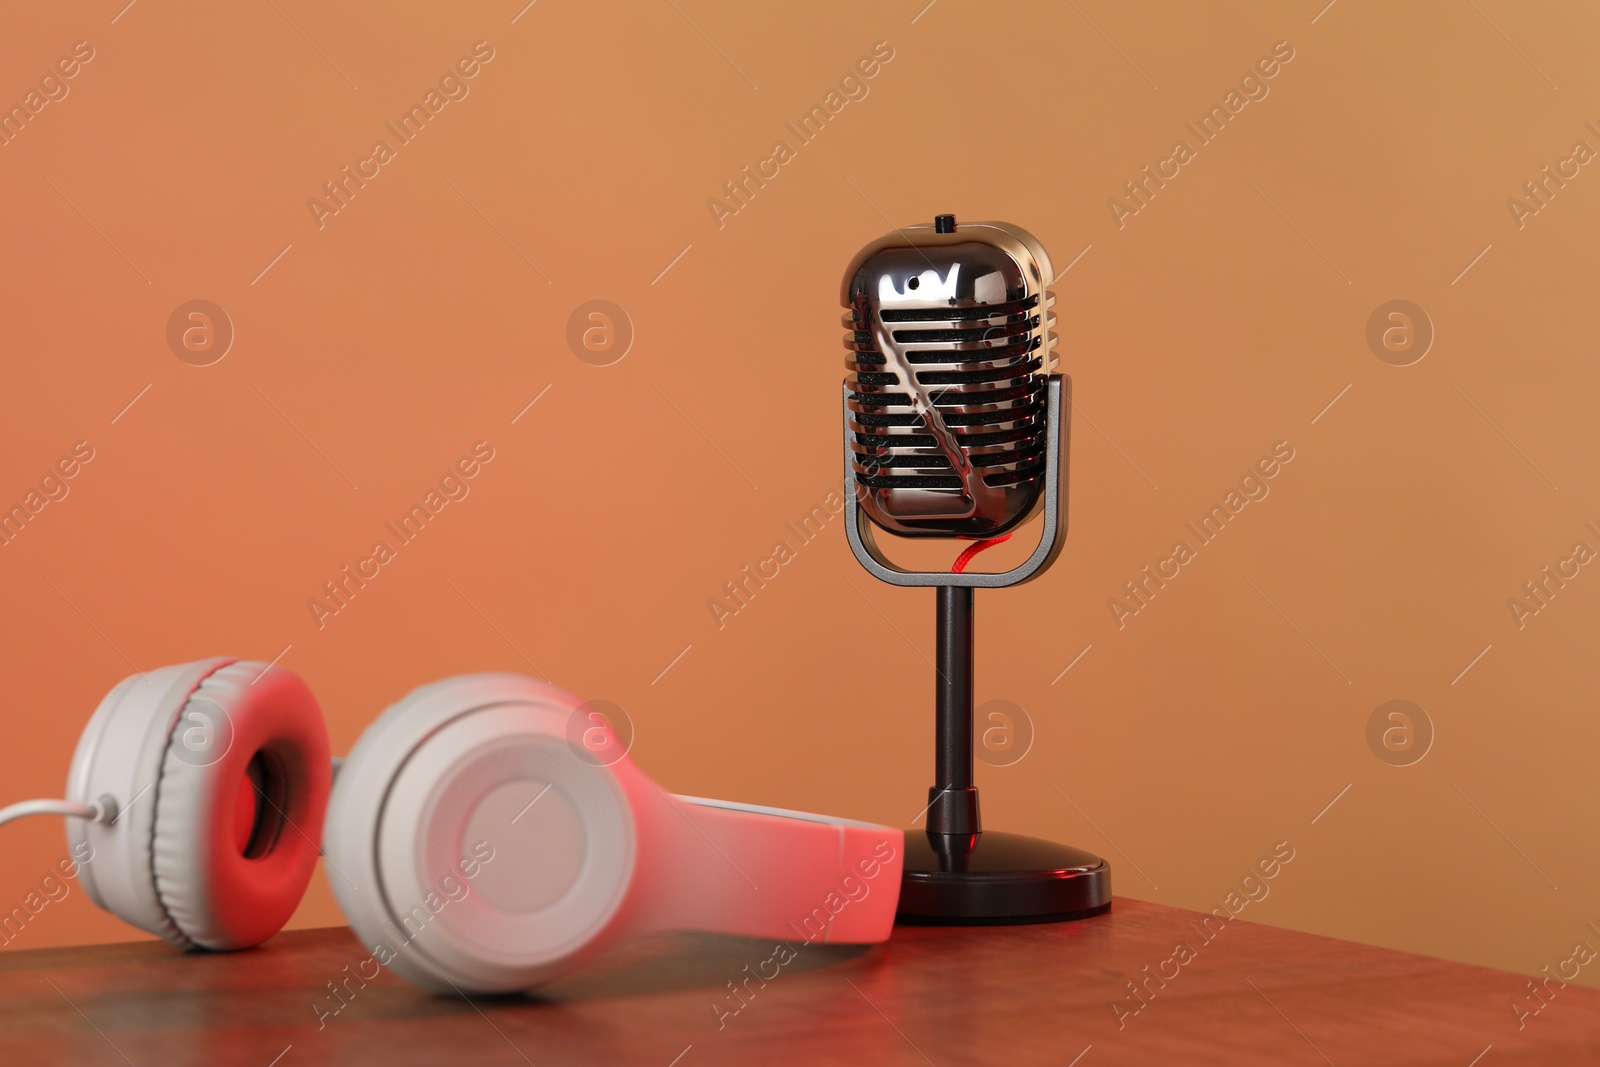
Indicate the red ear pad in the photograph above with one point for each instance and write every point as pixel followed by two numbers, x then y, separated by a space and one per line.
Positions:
pixel 245 810
pixel 239 806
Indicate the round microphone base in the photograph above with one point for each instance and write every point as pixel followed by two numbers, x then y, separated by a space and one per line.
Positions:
pixel 994 878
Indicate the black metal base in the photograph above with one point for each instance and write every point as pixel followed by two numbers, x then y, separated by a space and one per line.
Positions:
pixel 995 878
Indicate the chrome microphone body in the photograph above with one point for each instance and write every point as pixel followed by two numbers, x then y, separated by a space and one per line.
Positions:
pixel 951 338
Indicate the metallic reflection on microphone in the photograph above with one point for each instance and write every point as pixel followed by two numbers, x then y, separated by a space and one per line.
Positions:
pixel 951 340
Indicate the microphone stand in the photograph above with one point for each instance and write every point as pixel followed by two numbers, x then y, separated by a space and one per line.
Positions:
pixel 956 873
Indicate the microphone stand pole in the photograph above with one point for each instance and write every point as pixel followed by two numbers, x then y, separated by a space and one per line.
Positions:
pixel 953 800
pixel 956 873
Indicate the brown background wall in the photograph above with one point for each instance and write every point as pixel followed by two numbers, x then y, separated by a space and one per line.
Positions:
pixel 1223 317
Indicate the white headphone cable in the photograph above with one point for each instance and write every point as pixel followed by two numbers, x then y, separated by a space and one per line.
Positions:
pixel 102 810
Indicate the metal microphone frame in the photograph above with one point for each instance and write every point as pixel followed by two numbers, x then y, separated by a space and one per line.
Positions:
pixel 858 528
pixel 957 876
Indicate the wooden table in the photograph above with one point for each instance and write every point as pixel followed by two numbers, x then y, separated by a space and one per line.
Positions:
pixel 997 995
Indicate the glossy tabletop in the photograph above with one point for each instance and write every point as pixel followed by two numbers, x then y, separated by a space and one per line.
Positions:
pixel 1015 995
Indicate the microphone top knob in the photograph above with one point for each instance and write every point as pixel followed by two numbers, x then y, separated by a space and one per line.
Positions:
pixel 944 224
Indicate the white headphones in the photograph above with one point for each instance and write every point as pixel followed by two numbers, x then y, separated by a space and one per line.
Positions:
pixel 471 844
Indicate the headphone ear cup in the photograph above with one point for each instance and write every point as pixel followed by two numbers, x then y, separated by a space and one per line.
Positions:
pixel 222 774
pixel 239 806
pixel 487 853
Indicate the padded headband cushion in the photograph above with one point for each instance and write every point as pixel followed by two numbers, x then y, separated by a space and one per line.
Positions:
pixel 239 806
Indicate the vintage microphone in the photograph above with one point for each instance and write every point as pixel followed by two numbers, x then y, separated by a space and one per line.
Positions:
pixel 956 425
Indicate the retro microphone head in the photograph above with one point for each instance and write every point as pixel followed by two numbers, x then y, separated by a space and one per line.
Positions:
pixel 951 338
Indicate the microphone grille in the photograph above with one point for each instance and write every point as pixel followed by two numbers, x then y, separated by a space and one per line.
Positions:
pixel 951 334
